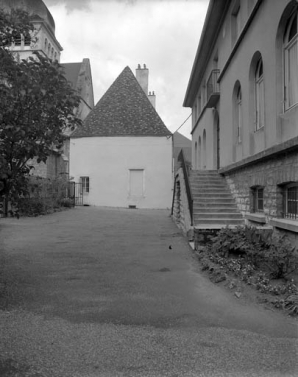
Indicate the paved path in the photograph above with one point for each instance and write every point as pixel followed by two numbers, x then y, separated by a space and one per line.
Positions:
pixel 98 292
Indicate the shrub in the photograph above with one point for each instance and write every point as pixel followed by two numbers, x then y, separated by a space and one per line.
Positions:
pixel 44 196
pixel 257 248
pixel 281 257
pixel 67 202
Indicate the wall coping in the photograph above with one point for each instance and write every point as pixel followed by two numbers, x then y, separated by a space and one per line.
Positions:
pixel 286 146
pixel 290 225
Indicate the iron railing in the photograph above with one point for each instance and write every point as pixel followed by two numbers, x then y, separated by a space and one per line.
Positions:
pixel 174 193
pixel 186 171
pixel 212 84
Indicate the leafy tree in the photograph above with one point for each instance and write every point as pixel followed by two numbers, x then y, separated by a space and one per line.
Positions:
pixel 36 108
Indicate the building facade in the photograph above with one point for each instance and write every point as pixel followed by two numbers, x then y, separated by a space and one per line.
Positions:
pixel 78 74
pixel 122 156
pixel 43 38
pixel 243 91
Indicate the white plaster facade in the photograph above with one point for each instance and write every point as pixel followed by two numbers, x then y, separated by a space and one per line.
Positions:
pixel 110 162
pixel 261 27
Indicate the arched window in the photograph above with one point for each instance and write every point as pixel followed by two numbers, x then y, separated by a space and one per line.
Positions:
pixel 49 49
pixel 238 113
pixel 200 153
pixel 195 114
pixel 290 43
pixel 45 44
pixel 259 95
pixel 199 104
pixel 204 150
pixel 196 155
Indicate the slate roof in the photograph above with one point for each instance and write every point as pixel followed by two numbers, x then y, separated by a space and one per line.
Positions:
pixel 124 110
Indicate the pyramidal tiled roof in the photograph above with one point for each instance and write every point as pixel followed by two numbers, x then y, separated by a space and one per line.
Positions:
pixel 124 110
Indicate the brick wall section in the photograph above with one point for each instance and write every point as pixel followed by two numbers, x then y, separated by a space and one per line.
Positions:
pixel 181 214
pixel 269 174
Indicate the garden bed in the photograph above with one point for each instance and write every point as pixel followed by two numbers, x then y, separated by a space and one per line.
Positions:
pixel 262 268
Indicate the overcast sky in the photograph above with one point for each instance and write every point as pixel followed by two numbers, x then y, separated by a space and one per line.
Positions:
pixel 113 34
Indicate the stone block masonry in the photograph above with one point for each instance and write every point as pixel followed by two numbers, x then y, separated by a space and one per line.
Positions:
pixel 271 174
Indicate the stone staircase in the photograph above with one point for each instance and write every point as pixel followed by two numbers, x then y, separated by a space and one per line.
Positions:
pixel 213 204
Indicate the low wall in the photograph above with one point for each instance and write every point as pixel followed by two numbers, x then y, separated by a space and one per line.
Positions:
pixel 181 213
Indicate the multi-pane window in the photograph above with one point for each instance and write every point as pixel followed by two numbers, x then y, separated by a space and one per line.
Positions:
pixel 18 40
pixel 85 184
pixel 291 62
pixel 257 199
pixel 291 201
pixel 259 95
pixel 27 40
pixel 239 114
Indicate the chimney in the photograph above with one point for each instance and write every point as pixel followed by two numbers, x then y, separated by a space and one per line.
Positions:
pixel 142 75
pixel 152 99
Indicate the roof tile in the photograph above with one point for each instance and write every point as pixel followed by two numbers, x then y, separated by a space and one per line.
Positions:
pixel 124 110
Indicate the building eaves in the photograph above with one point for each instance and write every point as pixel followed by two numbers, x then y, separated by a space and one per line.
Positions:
pixel 215 16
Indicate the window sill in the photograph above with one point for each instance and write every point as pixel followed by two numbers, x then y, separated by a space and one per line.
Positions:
pixel 290 225
pixel 259 130
pixel 256 217
pixel 288 112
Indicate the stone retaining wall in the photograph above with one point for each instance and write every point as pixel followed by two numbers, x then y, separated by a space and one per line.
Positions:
pixel 270 174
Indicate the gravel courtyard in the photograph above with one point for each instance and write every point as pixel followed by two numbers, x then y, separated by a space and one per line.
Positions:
pixel 100 292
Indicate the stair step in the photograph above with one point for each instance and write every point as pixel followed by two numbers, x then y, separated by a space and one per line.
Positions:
pixel 203 185
pixel 206 179
pixel 218 221
pixel 204 172
pixel 209 195
pixel 215 190
pixel 215 215
pixel 213 203
pixel 224 203
pixel 228 209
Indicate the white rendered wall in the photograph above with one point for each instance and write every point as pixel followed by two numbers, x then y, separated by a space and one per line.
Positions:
pixel 107 162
